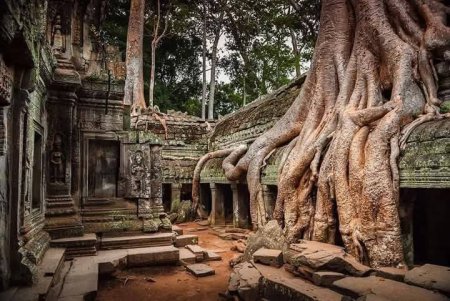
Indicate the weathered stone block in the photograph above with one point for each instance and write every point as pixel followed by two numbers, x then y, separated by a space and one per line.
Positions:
pixel 269 257
pixel 152 256
pixel 326 278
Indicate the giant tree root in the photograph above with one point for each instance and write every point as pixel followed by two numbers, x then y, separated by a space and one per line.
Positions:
pixel 372 74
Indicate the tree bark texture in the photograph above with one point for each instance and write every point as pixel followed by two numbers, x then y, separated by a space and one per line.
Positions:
pixel 371 81
pixel 134 83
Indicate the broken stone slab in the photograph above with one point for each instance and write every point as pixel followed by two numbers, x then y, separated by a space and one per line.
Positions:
pixel 198 251
pixel 430 276
pixel 390 273
pixel 111 260
pixel 153 256
pixel 385 288
pixel 322 256
pixel 212 256
pixel 269 257
pixel 244 281
pixel 200 269
pixel 278 284
pixel 186 256
pixel 325 278
pixel 184 240
pixel 51 262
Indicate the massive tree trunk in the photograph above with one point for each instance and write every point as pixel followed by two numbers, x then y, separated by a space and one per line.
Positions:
pixel 212 85
pixel 371 81
pixel 204 63
pixel 134 83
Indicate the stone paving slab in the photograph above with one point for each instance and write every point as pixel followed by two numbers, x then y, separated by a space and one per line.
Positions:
pixel 152 256
pixel 82 278
pixel 51 262
pixel 269 257
pixel 198 251
pixel 385 288
pixel 200 270
pixel 212 256
pixel 430 276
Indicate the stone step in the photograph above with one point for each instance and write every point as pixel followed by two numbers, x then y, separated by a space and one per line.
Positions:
pixel 51 205
pixel 48 274
pixel 152 256
pixel 137 241
pixel 184 240
pixel 98 202
pixel 60 211
pixel 186 256
pixel 77 246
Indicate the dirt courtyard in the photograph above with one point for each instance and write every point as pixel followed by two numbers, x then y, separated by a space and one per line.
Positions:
pixel 173 283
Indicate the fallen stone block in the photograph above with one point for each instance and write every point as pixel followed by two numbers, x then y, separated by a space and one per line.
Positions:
pixel 245 281
pixel 200 270
pixel 321 256
pixel 184 240
pixel 269 257
pixel 326 278
pixel 430 276
pixel 385 288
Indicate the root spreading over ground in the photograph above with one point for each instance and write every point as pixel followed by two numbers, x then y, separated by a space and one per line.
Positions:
pixel 372 81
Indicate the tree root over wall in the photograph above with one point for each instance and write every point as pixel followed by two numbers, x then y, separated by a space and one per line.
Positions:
pixel 372 76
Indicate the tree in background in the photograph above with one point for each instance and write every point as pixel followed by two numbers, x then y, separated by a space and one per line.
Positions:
pixel 134 83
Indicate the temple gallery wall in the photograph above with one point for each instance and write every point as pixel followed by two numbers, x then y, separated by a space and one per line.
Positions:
pixel 75 163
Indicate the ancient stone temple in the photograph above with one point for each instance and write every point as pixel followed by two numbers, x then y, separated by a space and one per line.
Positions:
pixel 85 180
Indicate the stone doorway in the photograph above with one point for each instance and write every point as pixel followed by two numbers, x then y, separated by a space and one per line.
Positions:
pixel 430 226
pixel 103 169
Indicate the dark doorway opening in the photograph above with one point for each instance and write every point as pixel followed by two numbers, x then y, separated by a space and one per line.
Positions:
pixel 186 192
pixel 226 196
pixel 244 206
pixel 103 168
pixel 205 197
pixel 37 172
pixel 167 196
pixel 431 221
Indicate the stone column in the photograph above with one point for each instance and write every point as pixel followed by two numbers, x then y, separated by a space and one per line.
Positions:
pixel 269 200
pixel 217 206
pixel 175 197
pixel 236 210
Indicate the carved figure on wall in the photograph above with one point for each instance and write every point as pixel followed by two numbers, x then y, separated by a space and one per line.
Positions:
pixel 57 161
pixel 138 171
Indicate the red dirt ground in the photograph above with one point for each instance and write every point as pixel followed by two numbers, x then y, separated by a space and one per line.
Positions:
pixel 173 283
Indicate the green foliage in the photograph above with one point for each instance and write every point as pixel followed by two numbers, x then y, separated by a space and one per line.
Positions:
pixel 257 57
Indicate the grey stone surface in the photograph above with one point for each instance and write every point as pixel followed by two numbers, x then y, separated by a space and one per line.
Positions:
pixel 244 280
pixel 430 276
pixel 200 269
pixel 385 288
pixel 212 256
pixel 269 256
pixel 326 278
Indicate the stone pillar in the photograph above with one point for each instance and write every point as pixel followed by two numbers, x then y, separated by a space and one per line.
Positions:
pixel 217 205
pixel 269 197
pixel 236 208
pixel 175 197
